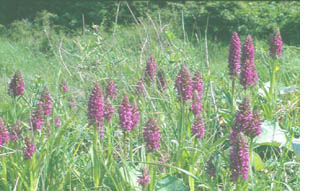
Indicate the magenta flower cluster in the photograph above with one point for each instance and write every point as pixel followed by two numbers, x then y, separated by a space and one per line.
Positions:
pixel 239 156
pixel 183 83
pixel 110 89
pixel 198 128
pixel 29 149
pixel 234 56
pixel 196 104
pixel 108 110
pixel 96 108
pixel 16 131
pixel 247 121
pixel 140 88
pixel 16 86
pixel 125 114
pixel 46 101
pixel 4 133
pixel 145 178
pixel 128 116
pixel 152 135
pixel 198 84
pixel 255 125
pixel 276 44
pixel 150 70
pixel 37 117
pixel 249 75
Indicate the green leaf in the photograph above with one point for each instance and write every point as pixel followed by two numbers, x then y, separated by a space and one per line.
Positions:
pixel 264 88
pixel 171 183
pixel 130 175
pixel 271 134
pixel 257 162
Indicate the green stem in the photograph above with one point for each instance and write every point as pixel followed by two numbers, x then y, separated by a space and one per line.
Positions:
pixel 149 160
pixel 181 128
pixel 272 89
pixel 251 162
pixel 130 152
pixel 181 133
pixel 31 174
pixel 125 145
pixel 15 109
pixel 96 169
pixel 191 169
pixel 110 145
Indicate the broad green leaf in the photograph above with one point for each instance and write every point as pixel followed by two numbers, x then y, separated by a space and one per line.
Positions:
pixel 171 183
pixel 271 134
pixel 257 162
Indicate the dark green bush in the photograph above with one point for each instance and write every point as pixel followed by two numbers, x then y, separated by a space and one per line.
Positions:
pixel 259 19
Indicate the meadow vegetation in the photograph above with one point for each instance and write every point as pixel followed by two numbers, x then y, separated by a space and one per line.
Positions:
pixel 166 145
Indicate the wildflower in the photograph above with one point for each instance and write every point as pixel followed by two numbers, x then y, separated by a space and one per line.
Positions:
pixel 255 125
pixel 46 100
pixel 16 131
pixel 183 83
pixel 135 114
pixel 247 121
pixel 244 115
pixel 161 80
pixel 198 84
pixel 108 110
pixel 145 178
pixel 239 156
pixel 63 86
pixel 249 75
pixel 29 149
pixel 198 128
pixel 234 56
pixel 37 117
pixel 151 135
pixel 110 89
pixel 96 107
pixel 140 89
pixel 150 70
pixel 276 44
pixel 4 134
pixel 125 114
pixel 196 104
pixel 16 86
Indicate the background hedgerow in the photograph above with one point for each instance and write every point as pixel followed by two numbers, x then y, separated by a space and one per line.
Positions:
pixel 66 153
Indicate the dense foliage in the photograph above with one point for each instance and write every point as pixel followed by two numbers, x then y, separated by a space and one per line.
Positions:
pixel 223 17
